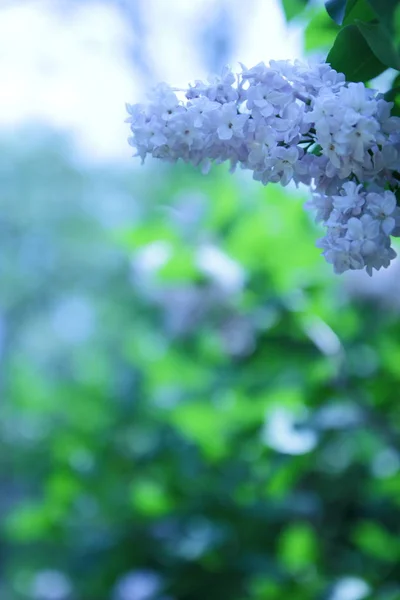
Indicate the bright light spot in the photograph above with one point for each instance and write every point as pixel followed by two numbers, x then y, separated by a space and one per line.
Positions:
pixel 281 434
pixel 350 588
pixel 138 585
pixel 323 336
pixel 51 585
pixel 386 463
pixel 152 257
pixel 221 268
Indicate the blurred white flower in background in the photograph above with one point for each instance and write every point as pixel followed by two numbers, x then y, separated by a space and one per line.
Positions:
pixel 150 258
pixel 386 463
pixel 282 433
pixel 350 588
pixel 138 585
pixel 220 268
pixel 51 585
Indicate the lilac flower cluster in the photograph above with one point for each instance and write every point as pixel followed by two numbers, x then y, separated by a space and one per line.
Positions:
pixel 291 122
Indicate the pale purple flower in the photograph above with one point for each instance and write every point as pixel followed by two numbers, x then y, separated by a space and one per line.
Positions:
pixel 351 199
pixel 258 98
pixel 229 122
pixel 382 207
pixel 291 122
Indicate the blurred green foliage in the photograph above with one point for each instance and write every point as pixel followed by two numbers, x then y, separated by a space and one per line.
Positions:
pixel 192 405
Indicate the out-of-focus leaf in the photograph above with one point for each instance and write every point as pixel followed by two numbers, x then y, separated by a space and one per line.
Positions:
pixel 376 541
pixel 62 488
pixel 180 267
pixel 320 32
pixel 203 424
pixel 293 8
pixel 298 546
pixel 149 498
pixel 28 523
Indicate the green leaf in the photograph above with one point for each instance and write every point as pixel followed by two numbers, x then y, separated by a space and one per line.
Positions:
pixel 381 43
pixel 179 267
pixel 293 8
pixel 358 10
pixel 374 540
pixel 384 10
pixel 336 10
pixel 393 95
pixel 352 56
pixel 395 25
pixel 320 32
pixel 317 150
pixel 27 523
pixel 395 112
pixel 204 425
pixel 345 13
pixel 298 546
pixel 149 498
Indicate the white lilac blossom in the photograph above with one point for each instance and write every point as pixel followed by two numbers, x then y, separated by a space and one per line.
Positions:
pixel 291 122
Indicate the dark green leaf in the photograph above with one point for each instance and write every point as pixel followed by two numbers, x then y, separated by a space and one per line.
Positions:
pixel 358 10
pixel 396 82
pixel 336 10
pixel 394 96
pixel 381 43
pixel 395 25
pixel 391 95
pixel 352 56
pixel 385 9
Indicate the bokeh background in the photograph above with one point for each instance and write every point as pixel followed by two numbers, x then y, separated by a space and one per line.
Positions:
pixel 193 407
